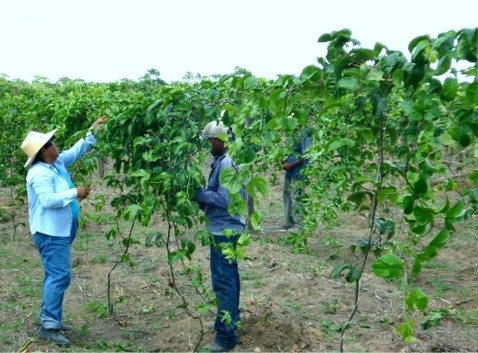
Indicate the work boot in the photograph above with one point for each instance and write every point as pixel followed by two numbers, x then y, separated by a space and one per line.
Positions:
pixel 66 327
pixel 53 335
pixel 216 347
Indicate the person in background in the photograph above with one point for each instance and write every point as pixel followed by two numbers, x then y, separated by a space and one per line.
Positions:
pixel 214 200
pixel 294 186
pixel 53 210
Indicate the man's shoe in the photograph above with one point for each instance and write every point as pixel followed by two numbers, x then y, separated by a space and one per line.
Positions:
pixel 284 227
pixel 54 336
pixel 66 327
pixel 216 347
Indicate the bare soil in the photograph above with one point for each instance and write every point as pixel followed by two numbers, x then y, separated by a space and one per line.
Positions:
pixel 289 300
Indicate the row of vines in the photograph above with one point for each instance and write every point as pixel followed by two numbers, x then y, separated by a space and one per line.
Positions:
pixel 388 132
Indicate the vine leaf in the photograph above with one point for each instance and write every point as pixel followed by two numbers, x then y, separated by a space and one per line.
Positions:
pixel 406 331
pixel 472 94
pixel 417 299
pixel 352 275
pixel 474 177
pixel 388 266
pixel 229 179
pixel 431 250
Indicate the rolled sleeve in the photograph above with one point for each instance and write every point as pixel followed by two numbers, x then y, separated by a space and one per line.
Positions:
pixel 218 198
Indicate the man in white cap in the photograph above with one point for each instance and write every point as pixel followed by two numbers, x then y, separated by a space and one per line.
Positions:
pixel 54 211
pixel 214 200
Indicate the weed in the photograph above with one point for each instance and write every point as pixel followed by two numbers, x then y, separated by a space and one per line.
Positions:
pixel 330 328
pixel 329 307
pixel 98 307
pixel 292 306
pixel 251 275
pixel 440 285
pixel 99 259
pixel 257 283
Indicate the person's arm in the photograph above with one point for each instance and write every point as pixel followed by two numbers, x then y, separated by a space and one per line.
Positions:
pixel 219 198
pixel 44 188
pixel 216 197
pixel 288 166
pixel 82 146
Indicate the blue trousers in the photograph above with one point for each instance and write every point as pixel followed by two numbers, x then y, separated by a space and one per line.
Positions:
pixel 291 195
pixel 226 285
pixel 55 254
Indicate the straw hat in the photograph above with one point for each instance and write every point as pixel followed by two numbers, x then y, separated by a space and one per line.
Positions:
pixel 33 144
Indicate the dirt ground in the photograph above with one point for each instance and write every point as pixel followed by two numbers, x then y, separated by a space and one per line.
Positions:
pixel 289 301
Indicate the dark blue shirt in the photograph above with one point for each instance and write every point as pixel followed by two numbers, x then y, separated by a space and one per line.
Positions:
pixel 299 151
pixel 216 200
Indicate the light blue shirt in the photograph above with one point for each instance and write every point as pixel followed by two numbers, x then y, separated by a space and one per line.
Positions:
pixel 50 195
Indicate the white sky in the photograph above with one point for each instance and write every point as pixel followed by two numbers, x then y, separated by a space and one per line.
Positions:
pixel 108 40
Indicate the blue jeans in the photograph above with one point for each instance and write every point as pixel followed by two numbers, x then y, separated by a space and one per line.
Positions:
pixel 226 285
pixel 55 254
pixel 292 193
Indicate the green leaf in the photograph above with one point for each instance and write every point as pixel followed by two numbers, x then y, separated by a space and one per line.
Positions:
pixel 360 198
pixel 244 239
pixel 433 318
pixel 472 94
pixel 374 75
pixel 250 82
pixel 175 256
pixel 461 134
pixel 406 331
pixel 427 167
pixel 290 123
pixel 131 211
pixel 389 193
pixel 417 265
pixel 349 83
pixel 419 229
pixel 473 176
pixel 203 308
pixel 385 227
pixel 450 88
pixel 324 38
pixel 247 156
pixel 388 266
pixel 277 100
pixel 440 239
pixel 366 135
pixel 423 215
pixel 407 204
pixel 420 187
pixel 352 275
pixel 154 239
pixel 312 73
pixel 238 206
pixel 230 180
pixel 444 64
pixel 260 184
pixel 457 211
pixel 255 220
pixel 417 299
pixel 337 144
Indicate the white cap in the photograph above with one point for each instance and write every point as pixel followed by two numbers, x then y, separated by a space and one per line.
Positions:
pixel 214 129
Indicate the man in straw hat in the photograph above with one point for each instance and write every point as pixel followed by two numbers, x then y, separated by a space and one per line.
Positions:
pixel 53 210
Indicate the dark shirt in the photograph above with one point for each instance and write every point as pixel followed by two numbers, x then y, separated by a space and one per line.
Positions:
pixel 299 151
